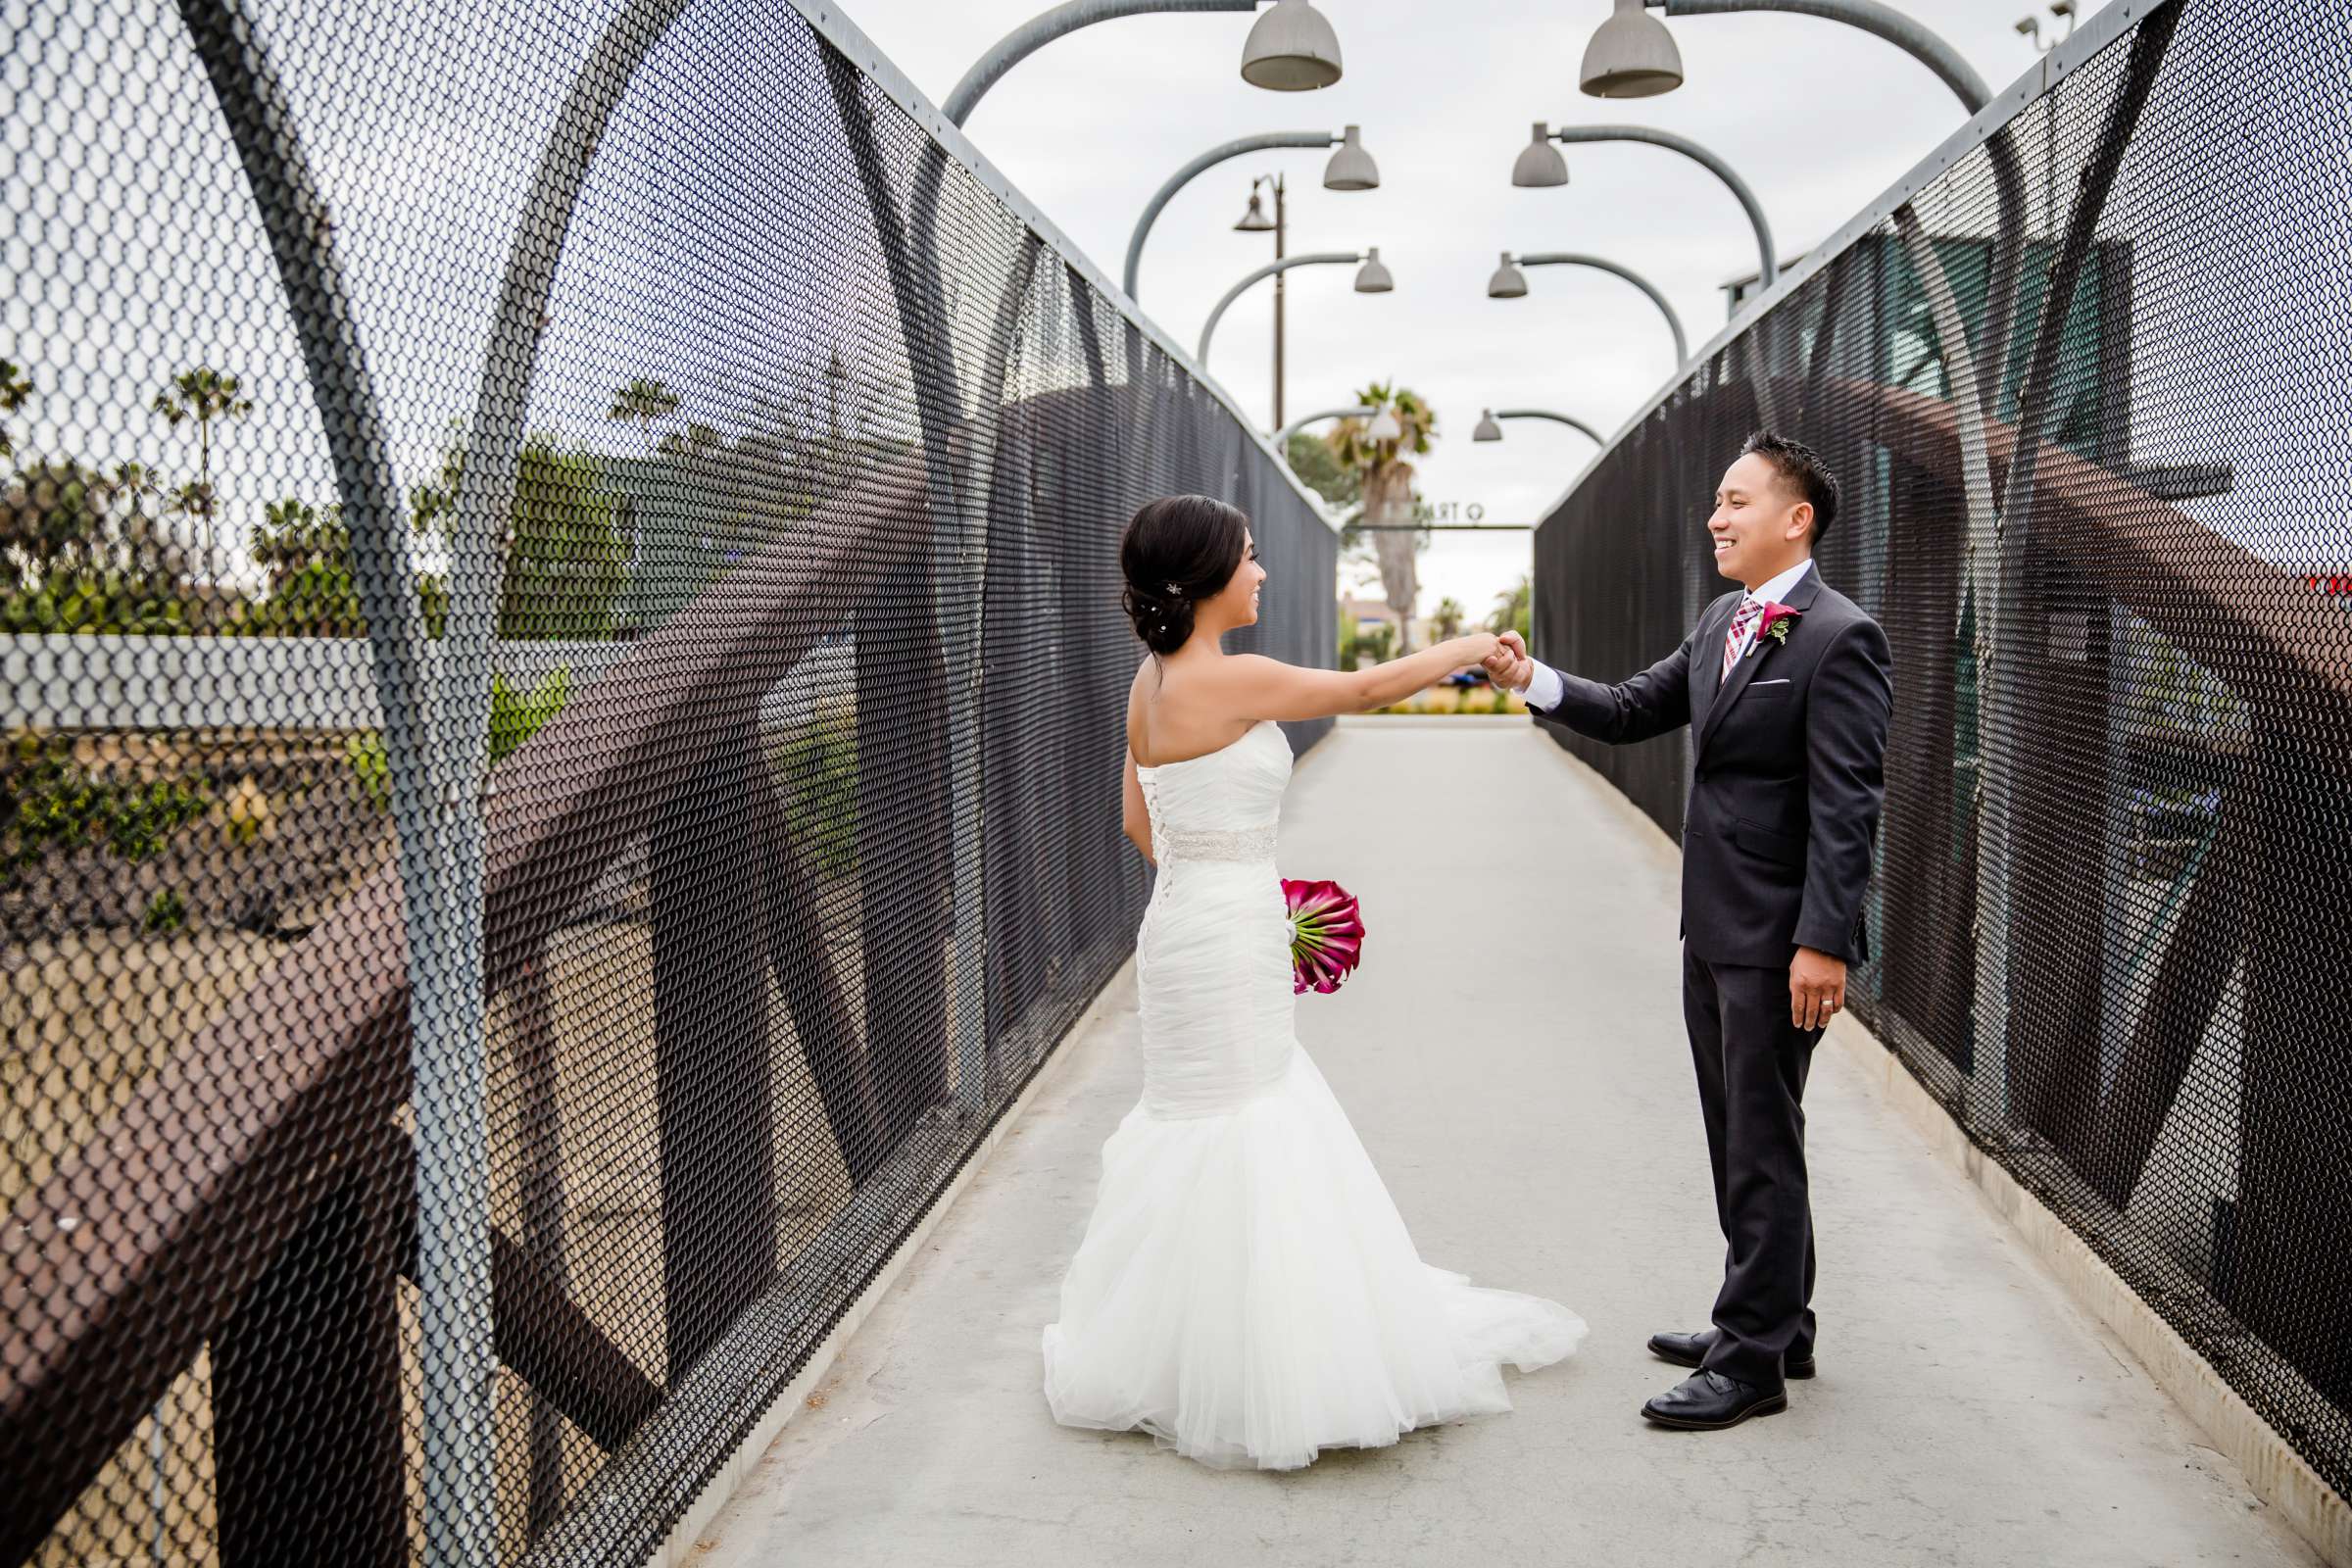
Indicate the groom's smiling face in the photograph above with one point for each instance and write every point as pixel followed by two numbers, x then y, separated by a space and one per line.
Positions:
pixel 1761 526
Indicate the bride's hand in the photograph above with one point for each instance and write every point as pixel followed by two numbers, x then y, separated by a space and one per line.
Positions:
pixel 1477 647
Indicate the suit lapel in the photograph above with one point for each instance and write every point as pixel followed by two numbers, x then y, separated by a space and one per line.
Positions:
pixel 1800 598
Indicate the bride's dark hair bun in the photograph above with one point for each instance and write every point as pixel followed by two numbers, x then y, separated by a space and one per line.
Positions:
pixel 1176 551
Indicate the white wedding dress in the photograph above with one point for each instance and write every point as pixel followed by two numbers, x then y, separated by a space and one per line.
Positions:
pixel 1246 1291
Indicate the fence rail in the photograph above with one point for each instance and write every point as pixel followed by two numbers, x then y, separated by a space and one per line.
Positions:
pixel 2116 862
pixel 482 1005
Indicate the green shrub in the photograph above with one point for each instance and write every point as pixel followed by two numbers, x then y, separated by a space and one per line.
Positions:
pixel 166 911
pixel 369 764
pixel 94 602
pixel 816 770
pixel 514 718
pixel 49 805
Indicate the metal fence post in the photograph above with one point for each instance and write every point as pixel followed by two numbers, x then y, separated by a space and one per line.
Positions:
pixel 436 816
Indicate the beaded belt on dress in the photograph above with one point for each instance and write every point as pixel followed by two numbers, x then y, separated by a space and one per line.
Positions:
pixel 1201 844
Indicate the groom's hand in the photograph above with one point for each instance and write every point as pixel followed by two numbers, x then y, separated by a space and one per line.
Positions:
pixel 1509 665
pixel 1816 988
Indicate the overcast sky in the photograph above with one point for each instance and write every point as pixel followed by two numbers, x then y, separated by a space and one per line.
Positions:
pixel 1818 118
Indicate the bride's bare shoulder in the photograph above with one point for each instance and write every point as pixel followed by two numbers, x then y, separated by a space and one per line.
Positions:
pixel 1253 669
pixel 1139 692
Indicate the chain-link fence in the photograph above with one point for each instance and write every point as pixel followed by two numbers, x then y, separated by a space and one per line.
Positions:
pixel 563 677
pixel 2107 532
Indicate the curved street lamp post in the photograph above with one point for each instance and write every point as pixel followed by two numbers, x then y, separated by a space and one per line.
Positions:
pixel 1489 430
pixel 1371 279
pixel 1633 56
pixel 1541 164
pixel 1508 284
pixel 1349 169
pixel 1292 48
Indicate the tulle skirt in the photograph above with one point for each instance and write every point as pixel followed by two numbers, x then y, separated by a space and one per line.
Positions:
pixel 1247 1294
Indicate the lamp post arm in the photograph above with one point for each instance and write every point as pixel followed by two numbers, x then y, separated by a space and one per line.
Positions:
pixel 1315 259
pixel 1767 260
pixel 1674 323
pixel 1042 30
pixel 1954 71
pixel 1206 161
pixel 1568 420
pixel 1927 47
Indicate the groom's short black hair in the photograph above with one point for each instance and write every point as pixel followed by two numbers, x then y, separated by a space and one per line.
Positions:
pixel 1806 473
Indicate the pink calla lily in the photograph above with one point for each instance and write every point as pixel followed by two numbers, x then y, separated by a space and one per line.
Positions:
pixel 1327 935
pixel 1778 618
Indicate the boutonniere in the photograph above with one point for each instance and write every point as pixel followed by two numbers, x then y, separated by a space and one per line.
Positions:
pixel 1775 625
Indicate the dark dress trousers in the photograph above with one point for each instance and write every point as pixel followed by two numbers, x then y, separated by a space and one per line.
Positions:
pixel 1786 778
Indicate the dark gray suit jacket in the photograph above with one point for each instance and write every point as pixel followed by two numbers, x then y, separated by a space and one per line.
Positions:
pixel 1787 776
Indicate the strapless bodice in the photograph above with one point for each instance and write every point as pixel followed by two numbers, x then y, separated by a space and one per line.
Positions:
pixel 1222 806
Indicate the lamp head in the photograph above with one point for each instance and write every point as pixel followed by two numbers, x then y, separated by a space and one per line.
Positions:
pixel 1488 429
pixel 1632 55
pixel 1508 282
pixel 1350 167
pixel 1385 426
pixel 1254 221
pixel 1373 276
pixel 1539 161
pixel 1292 48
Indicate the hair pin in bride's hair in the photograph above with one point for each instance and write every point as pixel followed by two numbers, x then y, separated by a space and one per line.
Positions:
pixel 1174 589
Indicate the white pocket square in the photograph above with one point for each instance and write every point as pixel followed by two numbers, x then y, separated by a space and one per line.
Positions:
pixel 1754 684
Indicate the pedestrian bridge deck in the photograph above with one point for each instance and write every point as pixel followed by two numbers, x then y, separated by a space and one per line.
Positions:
pixel 1513 1055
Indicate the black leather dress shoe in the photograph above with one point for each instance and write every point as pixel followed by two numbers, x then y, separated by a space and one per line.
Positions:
pixel 1709 1401
pixel 1691 1349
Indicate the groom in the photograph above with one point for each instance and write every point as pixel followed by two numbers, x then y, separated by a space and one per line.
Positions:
pixel 1787 688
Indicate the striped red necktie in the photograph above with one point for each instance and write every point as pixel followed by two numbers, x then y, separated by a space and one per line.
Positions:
pixel 1743 617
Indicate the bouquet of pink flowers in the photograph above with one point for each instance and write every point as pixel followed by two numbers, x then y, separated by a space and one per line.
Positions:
pixel 1327 934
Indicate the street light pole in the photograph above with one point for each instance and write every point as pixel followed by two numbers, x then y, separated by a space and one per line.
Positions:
pixel 1489 430
pixel 1349 169
pixel 1613 68
pixel 1905 34
pixel 1540 165
pixel 1507 284
pixel 1281 232
pixel 1184 177
pixel 1292 48
pixel 1373 280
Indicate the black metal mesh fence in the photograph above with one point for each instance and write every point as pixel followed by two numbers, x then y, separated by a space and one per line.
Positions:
pixel 2114 888
pixel 564 681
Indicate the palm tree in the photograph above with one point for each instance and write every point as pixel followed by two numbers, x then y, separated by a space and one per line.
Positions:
pixel 1511 606
pixel 1388 492
pixel 1448 622
pixel 204 395
pixel 641 403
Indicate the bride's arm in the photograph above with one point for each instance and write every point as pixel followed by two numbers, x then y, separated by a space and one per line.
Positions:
pixel 1132 814
pixel 1267 688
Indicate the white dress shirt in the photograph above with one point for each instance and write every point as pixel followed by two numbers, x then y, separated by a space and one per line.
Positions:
pixel 1546 689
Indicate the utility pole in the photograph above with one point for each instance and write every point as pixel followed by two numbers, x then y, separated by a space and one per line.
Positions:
pixel 1281 232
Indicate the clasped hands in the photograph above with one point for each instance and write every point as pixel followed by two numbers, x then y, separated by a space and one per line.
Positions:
pixel 1508 667
pixel 1816 979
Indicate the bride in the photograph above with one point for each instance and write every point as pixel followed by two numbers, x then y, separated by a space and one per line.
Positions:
pixel 1246 1291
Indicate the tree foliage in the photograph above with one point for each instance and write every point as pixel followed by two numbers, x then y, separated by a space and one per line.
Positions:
pixel 1388 492
pixel 1513 607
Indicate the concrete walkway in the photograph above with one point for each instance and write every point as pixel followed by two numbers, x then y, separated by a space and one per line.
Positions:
pixel 1513 1058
